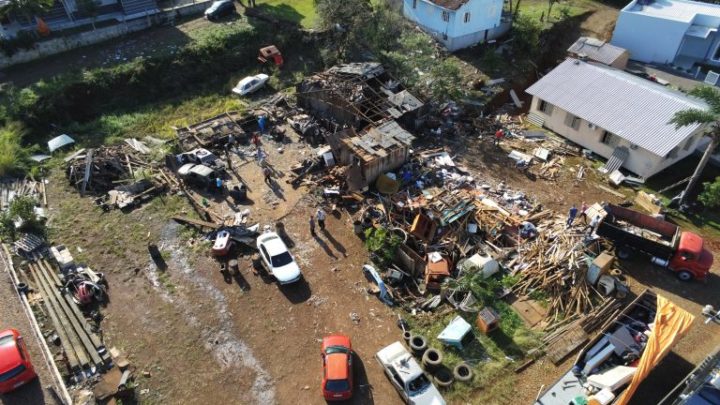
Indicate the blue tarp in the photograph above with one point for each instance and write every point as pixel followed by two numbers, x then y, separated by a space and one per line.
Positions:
pixel 372 275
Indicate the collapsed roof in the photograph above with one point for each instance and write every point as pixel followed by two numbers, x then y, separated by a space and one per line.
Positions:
pixel 357 94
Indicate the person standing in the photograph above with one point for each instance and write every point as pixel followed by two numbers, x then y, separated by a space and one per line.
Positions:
pixel 583 212
pixel 590 228
pixel 262 123
pixel 267 173
pixel 499 135
pixel 219 185
pixel 312 225
pixel 571 215
pixel 320 215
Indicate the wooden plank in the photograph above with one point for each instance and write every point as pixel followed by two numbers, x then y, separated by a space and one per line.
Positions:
pixel 568 343
pixel 76 359
pixel 196 222
pixel 97 343
pixel 88 171
pixel 611 191
pixel 69 316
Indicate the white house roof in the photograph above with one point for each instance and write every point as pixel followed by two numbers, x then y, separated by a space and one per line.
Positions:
pixel 678 10
pixel 631 107
pixel 596 50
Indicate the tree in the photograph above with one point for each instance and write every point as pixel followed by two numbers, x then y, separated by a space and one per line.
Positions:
pixel 526 36
pixel 89 8
pixel 709 117
pixel 551 3
pixel 26 8
pixel 710 197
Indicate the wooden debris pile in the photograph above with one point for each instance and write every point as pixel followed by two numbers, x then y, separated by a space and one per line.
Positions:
pixel 102 169
pixel 13 188
pixel 555 263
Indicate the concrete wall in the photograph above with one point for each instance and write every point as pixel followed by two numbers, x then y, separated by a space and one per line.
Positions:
pixel 66 43
pixel 455 43
pixel 640 161
pixel 428 16
pixel 483 14
pixel 649 39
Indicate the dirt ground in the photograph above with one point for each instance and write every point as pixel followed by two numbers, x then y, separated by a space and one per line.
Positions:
pixel 13 315
pixel 206 337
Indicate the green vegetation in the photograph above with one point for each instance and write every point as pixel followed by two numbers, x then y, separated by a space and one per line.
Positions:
pixel 695 116
pixel 21 217
pixel 710 197
pixel 13 157
pixel 493 356
pixel 297 11
pixel 382 244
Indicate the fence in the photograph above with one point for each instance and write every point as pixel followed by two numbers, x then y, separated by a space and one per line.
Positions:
pixel 58 45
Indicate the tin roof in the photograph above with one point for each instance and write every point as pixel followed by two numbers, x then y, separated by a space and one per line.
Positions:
pixel 630 107
pixel 597 50
pixel 449 4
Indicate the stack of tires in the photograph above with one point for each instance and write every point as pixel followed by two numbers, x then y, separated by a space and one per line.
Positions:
pixel 432 362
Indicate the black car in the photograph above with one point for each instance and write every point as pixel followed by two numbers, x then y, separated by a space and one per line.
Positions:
pixel 219 9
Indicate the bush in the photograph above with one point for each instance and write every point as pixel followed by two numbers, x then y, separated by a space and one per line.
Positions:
pixel 710 196
pixel 22 209
pixel 13 157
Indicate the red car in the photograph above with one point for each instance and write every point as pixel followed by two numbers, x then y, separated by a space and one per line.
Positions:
pixel 15 366
pixel 337 383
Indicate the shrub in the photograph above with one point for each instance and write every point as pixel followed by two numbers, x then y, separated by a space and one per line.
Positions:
pixel 710 196
pixel 13 157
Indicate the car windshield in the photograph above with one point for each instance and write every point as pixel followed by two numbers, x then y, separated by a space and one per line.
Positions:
pixel 7 340
pixel 337 385
pixel 336 349
pixel 281 260
pixel 418 385
pixel 12 373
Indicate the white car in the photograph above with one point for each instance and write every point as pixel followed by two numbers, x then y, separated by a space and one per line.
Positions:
pixel 250 84
pixel 408 378
pixel 277 259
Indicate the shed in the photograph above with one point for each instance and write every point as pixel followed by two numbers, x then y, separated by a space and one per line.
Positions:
pixel 599 51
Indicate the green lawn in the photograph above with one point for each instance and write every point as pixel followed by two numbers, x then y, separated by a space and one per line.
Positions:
pixel 299 11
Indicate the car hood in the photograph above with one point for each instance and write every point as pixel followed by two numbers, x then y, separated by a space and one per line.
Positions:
pixel 286 273
pixel 431 396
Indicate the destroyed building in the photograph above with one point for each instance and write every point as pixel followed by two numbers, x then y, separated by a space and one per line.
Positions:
pixel 374 151
pixel 358 95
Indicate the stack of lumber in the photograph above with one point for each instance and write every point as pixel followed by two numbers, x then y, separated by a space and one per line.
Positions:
pixel 83 349
pixel 555 264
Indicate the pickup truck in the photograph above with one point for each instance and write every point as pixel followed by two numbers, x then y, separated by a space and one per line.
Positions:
pixel 408 378
pixel 667 245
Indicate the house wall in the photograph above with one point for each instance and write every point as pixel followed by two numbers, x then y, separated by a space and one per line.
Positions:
pixel 647 38
pixel 373 169
pixel 484 23
pixel 622 61
pixel 66 43
pixel 640 161
pixel 696 48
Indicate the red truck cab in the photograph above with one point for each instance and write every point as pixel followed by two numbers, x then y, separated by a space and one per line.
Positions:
pixel 15 367
pixel 692 259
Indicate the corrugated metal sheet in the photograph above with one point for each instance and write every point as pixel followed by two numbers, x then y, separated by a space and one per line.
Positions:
pixel 632 108
pixel 596 50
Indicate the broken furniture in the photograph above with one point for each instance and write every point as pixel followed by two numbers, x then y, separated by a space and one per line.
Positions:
pixel 487 320
pixel 458 333
pixel 600 265
pixel 436 270
pixel 271 53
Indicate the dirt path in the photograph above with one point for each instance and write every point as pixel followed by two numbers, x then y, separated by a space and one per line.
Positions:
pixel 12 315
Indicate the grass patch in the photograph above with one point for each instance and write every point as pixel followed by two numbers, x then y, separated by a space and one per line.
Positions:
pixel 560 11
pixel 298 11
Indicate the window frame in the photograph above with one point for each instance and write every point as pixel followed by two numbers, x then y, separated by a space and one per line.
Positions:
pixel 466 18
pixel 445 15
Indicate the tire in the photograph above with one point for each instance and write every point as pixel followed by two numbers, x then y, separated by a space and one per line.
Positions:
pixel 684 275
pixel 443 378
pixel 418 344
pixel 624 252
pixel 406 336
pixel 432 359
pixel 463 372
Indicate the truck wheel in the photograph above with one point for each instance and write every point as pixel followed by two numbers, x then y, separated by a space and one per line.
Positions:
pixel 684 275
pixel 624 252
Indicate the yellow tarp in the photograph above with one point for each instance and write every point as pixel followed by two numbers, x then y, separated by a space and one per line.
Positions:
pixel 671 324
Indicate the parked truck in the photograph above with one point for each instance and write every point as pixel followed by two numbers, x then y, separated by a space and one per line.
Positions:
pixel 667 245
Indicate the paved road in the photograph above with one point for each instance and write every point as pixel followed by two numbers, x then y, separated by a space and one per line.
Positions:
pixel 12 315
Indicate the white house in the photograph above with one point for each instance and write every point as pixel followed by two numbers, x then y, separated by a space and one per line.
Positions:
pixel 619 116
pixel 459 24
pixel 679 32
pixel 66 14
